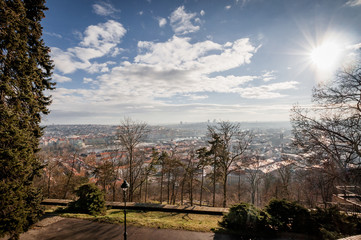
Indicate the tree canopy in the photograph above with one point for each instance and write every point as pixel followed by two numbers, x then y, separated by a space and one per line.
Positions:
pixel 25 71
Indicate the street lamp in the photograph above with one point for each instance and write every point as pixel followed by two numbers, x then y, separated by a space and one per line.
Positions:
pixel 125 186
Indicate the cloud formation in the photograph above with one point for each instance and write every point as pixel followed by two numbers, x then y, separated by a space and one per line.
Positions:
pixel 181 21
pixel 353 3
pixel 162 74
pixel 104 9
pixel 97 41
pixel 61 79
pixel 162 22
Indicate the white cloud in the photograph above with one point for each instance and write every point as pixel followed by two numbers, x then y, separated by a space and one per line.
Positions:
pixel 162 22
pixel 66 62
pixel 267 91
pixel 53 34
pixel 61 79
pixel 207 57
pixel 353 3
pixel 196 97
pixel 227 7
pixel 268 76
pixel 100 67
pixel 87 80
pixel 160 71
pixel 355 46
pixel 164 70
pixel 181 21
pixel 104 9
pixel 102 34
pixel 97 41
pixel 202 13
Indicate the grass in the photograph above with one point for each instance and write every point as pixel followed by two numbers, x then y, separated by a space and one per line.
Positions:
pixel 165 220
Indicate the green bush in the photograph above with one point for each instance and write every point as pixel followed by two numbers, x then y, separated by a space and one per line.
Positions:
pixel 285 216
pixel 333 224
pixel 91 200
pixel 288 216
pixel 246 219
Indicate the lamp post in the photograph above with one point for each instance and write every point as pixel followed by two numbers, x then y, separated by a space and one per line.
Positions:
pixel 125 186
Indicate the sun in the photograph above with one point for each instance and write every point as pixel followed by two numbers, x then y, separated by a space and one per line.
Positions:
pixel 326 56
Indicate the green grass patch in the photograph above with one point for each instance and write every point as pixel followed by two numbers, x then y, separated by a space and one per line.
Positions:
pixel 165 220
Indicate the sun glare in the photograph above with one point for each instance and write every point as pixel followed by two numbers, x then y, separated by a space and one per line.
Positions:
pixel 326 56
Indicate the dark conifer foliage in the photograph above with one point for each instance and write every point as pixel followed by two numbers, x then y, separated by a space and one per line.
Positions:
pixel 25 70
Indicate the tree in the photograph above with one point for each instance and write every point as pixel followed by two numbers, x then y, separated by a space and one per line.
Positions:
pixel 163 160
pixel 190 170
pixel 90 200
pixel 150 169
pixel 130 134
pixel 25 71
pixel 232 145
pixel 285 173
pixel 202 155
pixel 329 133
pixel 254 175
pixel 215 153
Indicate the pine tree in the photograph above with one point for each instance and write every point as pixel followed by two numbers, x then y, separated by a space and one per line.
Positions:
pixel 25 70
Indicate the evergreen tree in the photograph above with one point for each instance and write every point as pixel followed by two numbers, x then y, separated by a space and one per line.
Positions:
pixel 25 70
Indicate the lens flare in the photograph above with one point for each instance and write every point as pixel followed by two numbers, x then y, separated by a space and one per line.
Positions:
pixel 326 56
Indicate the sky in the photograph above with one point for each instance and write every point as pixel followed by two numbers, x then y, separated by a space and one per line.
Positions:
pixel 161 61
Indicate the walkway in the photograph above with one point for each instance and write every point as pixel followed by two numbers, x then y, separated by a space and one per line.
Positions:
pixel 58 228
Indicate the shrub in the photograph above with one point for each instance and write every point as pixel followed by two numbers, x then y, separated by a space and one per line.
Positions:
pixel 333 224
pixel 91 200
pixel 246 219
pixel 290 217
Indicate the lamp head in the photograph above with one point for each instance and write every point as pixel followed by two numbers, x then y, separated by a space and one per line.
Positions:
pixel 125 185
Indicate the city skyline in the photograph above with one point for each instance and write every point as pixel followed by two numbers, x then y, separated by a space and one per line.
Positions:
pixel 164 62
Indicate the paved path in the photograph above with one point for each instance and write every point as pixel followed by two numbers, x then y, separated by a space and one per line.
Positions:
pixel 58 228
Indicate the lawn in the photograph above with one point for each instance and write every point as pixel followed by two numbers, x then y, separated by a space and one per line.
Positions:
pixel 184 221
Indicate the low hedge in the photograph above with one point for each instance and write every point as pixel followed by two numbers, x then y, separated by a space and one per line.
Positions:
pixel 281 216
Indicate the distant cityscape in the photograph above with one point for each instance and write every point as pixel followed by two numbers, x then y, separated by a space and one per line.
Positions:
pixel 271 142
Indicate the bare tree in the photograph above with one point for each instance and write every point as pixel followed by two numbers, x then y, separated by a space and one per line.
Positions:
pixel 232 145
pixel 215 153
pixel 70 175
pixel 285 173
pixel 253 174
pixel 331 129
pixel 131 134
pixel 162 160
pixel 204 160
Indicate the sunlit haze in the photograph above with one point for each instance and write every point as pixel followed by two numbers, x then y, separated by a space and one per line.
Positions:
pixel 193 61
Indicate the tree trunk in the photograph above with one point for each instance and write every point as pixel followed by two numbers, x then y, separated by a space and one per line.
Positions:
pixel 114 189
pixel 49 181
pixel 214 185
pixel 239 187
pixel 140 191
pixel 201 193
pixel 146 189
pixel 191 189
pixel 168 188
pixel 69 178
pixel 161 187
pixel 182 191
pixel 225 191
pixel 130 191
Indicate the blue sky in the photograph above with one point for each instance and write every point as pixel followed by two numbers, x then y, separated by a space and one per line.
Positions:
pixel 163 61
